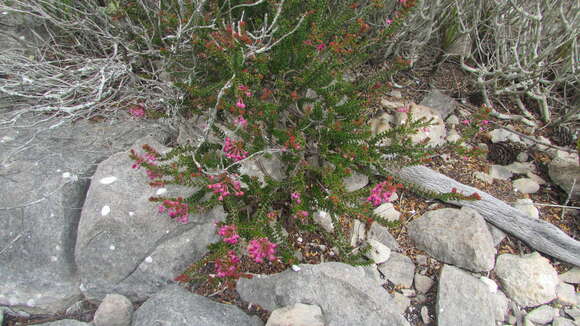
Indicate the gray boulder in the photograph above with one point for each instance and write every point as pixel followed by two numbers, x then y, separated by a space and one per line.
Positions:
pixel 463 300
pixel 382 235
pixel 563 172
pixel 124 245
pixel 177 307
pixel 399 269
pixel 297 315
pixel 115 310
pixel 529 280
pixel 346 294
pixel 443 104
pixel 45 172
pixel 457 237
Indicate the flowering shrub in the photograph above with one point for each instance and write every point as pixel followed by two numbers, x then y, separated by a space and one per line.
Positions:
pixel 277 85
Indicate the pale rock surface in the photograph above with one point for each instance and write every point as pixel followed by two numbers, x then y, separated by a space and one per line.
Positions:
pixel 526 186
pixel 324 219
pixel 425 315
pixel 521 168
pixel 357 234
pixel 355 181
pixel 115 310
pixel 483 177
pixel 542 315
pixel 497 234
pixel 523 157
pixel 572 276
pixel 443 104
pixel 501 305
pixel 455 236
pixel 463 299
pixel 132 249
pixel 44 176
pixel 499 135
pixel 500 172
pixel 388 212
pixel 563 173
pixel 435 133
pixel 529 280
pixel 566 294
pixel 561 321
pixel 574 313
pixel 526 205
pixel 176 306
pixel 381 234
pixel 262 166
pixel 423 283
pixel 452 120
pixel 297 315
pixel 452 135
pixel 346 294
pixel 379 253
pixel 536 178
pixel 401 302
pixel 492 286
pixel 399 269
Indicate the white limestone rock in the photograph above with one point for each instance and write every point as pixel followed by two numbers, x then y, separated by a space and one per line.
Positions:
pixel 379 253
pixel 526 186
pixel 297 314
pixel 388 212
pixel 529 280
pixel 115 310
pixel 542 315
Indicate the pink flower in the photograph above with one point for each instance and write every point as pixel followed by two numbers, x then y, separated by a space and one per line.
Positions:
pixel 227 267
pixel 301 214
pixel 389 21
pixel 484 122
pixel 235 150
pixel 381 193
pixel 262 248
pixel 176 209
pixel 240 104
pixel 320 46
pixel 229 234
pixel 296 197
pixel 243 88
pixel 241 121
pixel 465 122
pixel 138 111
pixel 148 159
pixel 403 109
pixel 226 186
pixel 402 1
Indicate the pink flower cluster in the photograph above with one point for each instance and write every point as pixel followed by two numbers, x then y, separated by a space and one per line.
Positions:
pixel 228 267
pixel 234 150
pixel 147 158
pixel 225 186
pixel 240 121
pixel 296 197
pixel 301 214
pixel 176 209
pixel 262 248
pixel 138 111
pixel 246 91
pixel 382 193
pixel 229 232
